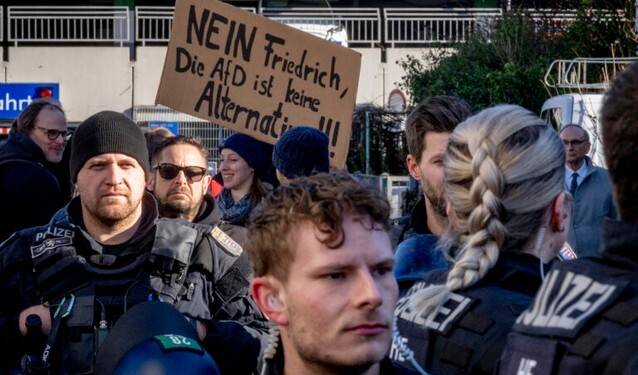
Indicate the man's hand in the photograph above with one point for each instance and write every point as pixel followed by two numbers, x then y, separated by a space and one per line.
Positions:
pixel 40 310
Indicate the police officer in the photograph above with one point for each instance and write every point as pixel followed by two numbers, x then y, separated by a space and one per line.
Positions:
pixel 180 182
pixel 585 317
pixel 108 252
pixel 508 208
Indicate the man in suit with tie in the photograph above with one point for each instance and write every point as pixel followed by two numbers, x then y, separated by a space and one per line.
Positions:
pixel 591 189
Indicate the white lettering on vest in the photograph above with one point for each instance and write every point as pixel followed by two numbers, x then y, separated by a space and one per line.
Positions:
pixel 55 232
pixel 439 320
pixel 526 366
pixel 576 298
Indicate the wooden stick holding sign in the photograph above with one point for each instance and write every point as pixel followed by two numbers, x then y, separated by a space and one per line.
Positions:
pixel 257 76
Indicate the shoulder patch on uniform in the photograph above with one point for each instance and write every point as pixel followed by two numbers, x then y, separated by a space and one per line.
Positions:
pixel 48 245
pixel 50 238
pixel 226 242
pixel 566 301
pixel 451 311
pixel 567 253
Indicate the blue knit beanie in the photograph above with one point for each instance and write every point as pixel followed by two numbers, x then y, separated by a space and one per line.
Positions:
pixel 301 151
pixel 256 153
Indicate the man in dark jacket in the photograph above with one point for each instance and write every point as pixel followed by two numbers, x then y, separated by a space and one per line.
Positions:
pixel 323 262
pixel 70 281
pixel 584 319
pixel 179 180
pixel 427 131
pixel 30 192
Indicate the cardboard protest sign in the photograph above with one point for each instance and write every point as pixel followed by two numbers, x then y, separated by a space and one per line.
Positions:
pixel 257 76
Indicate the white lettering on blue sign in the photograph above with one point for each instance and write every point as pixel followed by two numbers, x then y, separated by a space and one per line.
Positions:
pixel 9 103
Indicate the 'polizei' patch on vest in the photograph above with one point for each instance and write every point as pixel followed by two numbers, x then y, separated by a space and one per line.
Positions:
pixel 172 342
pixel 49 244
pixel 565 302
pixel 52 232
pixel 226 242
pixel 451 311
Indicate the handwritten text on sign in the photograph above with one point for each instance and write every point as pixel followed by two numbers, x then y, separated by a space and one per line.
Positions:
pixel 257 76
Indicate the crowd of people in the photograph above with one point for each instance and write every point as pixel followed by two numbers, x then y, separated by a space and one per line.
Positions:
pixel 292 266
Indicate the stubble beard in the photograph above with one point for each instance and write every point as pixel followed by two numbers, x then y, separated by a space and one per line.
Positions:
pixel 437 202
pixel 178 209
pixel 114 216
pixel 315 356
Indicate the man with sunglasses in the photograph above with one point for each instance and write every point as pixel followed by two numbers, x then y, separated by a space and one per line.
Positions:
pixel 30 192
pixel 591 189
pixel 179 180
pixel 74 278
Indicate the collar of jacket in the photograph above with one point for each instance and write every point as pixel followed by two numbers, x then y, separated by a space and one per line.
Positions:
pixel 73 218
pixel 419 217
pixel 620 240
pixel 209 212
pixel 20 146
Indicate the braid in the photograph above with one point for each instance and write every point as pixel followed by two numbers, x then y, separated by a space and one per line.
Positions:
pixel 481 249
pixel 503 169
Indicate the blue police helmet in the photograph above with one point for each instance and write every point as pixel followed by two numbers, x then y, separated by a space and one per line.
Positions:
pixel 153 338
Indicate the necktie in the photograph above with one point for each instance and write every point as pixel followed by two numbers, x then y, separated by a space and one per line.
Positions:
pixel 574 185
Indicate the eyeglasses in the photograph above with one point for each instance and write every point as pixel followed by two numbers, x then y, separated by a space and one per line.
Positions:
pixel 574 143
pixel 53 134
pixel 169 171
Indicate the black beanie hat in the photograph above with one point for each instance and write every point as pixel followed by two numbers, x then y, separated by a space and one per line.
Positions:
pixel 107 132
pixel 300 151
pixel 256 153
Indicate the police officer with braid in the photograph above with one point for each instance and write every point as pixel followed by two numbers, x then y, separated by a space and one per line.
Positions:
pixel 509 210
pixel 584 319
pixel 67 283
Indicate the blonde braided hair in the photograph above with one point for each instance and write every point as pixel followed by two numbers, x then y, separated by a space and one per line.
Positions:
pixel 503 169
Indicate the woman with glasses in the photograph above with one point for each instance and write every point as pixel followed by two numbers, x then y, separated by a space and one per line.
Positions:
pixel 244 164
pixel 30 191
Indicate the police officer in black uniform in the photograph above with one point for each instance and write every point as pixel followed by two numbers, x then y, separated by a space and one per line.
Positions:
pixel 506 201
pixel 584 319
pixel 74 278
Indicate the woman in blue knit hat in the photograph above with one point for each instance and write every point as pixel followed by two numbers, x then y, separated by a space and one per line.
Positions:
pixel 244 165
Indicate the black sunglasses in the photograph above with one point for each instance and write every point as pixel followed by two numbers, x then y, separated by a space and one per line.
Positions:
pixel 53 134
pixel 169 171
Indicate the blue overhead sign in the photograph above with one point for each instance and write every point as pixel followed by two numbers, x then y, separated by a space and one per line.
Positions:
pixel 172 126
pixel 14 97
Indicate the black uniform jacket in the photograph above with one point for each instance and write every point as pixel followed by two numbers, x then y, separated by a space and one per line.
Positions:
pixel 468 334
pixel 166 259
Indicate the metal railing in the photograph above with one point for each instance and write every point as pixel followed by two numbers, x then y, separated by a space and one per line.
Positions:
pixel 423 26
pixel 68 24
pixel 153 24
pixel 362 25
pixel 209 133
pixel 585 73
pixel 554 21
